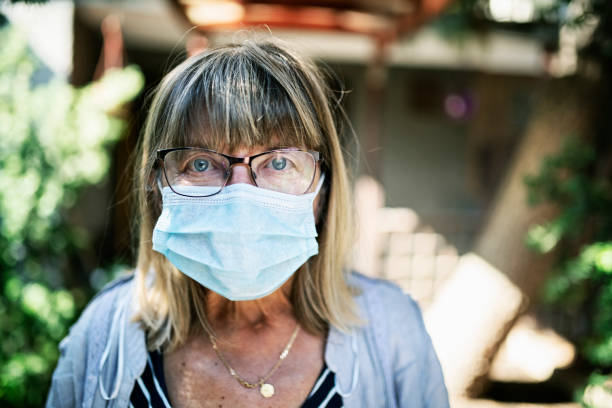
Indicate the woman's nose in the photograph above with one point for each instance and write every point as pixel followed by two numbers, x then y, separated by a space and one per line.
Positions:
pixel 240 173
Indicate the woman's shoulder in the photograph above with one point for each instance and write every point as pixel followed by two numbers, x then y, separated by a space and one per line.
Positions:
pixel 384 295
pixel 392 315
pixel 75 376
pixel 99 312
pixel 397 328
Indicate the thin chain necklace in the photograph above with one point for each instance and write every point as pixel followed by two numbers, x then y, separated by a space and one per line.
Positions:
pixel 265 389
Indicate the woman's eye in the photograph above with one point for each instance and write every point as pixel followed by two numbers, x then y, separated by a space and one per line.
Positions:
pixel 200 165
pixel 279 163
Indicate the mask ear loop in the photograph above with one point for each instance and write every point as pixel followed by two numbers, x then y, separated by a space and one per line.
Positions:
pixel 158 171
pixel 345 394
pixel 158 178
pixel 319 184
pixel 160 186
pixel 118 318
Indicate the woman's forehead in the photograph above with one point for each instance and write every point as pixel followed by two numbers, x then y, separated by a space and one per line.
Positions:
pixel 239 147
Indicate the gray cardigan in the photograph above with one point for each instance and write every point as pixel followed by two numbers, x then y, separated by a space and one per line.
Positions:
pixel 389 362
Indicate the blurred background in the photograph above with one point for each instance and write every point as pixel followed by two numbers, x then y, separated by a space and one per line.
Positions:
pixel 482 147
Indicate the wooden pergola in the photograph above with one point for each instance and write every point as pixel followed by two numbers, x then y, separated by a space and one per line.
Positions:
pixel 385 20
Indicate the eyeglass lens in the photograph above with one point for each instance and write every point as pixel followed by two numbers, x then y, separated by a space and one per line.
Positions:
pixel 285 171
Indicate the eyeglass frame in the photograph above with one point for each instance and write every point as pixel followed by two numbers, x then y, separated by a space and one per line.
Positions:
pixel 161 154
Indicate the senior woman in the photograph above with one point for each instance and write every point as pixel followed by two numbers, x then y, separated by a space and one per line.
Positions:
pixel 240 296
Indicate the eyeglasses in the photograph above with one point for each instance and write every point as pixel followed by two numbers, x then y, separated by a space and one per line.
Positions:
pixel 290 171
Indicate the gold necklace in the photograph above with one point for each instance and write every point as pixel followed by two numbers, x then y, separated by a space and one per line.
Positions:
pixel 265 389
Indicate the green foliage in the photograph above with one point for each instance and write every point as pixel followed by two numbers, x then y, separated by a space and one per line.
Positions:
pixel 581 234
pixel 565 180
pixel 597 393
pixel 465 17
pixel 54 142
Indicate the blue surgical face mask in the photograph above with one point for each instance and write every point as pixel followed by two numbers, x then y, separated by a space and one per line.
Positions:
pixel 242 243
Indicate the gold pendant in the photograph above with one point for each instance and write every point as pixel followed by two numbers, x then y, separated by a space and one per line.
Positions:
pixel 266 390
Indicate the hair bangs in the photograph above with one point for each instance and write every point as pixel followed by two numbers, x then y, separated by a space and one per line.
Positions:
pixel 237 103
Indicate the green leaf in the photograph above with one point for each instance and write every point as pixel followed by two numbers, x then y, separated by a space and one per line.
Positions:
pixel 603 260
pixel 544 237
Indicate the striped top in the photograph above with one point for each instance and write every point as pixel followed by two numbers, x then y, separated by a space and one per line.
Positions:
pixel 150 389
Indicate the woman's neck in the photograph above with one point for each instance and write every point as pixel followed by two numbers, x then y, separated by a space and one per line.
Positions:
pixel 253 315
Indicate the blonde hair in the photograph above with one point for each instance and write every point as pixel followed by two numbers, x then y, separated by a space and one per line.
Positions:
pixel 242 95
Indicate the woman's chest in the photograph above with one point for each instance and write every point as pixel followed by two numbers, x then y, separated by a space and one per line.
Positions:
pixel 193 390
pixel 199 378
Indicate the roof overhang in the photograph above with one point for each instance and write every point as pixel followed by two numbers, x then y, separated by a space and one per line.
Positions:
pixel 384 19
